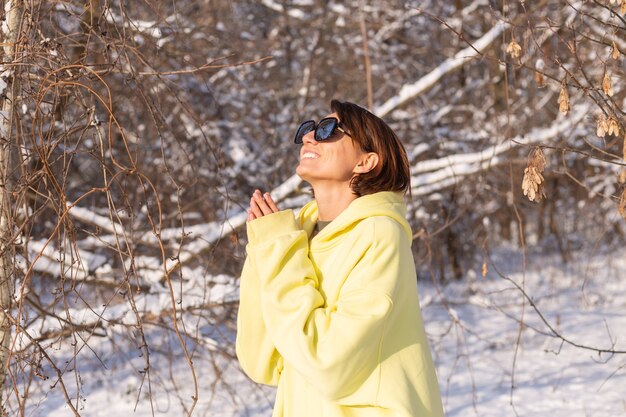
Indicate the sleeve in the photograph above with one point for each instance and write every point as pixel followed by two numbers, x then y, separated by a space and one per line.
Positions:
pixel 255 350
pixel 334 347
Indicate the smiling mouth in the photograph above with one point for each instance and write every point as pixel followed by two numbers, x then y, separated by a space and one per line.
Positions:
pixel 309 155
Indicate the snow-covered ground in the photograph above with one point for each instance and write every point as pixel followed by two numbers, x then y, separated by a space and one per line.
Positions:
pixel 494 353
pixel 501 359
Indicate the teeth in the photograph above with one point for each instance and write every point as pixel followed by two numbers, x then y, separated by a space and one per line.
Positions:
pixel 309 155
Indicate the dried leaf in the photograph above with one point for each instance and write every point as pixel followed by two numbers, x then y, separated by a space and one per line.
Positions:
pixel 563 101
pixel 621 178
pixel 533 182
pixel 623 9
pixel 538 159
pixel 613 127
pixel 624 149
pixel 602 126
pixel 615 49
pixel 514 49
pixel 606 85
pixel 484 271
pixel 540 79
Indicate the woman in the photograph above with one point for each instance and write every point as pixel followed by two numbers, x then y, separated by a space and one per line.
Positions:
pixel 329 310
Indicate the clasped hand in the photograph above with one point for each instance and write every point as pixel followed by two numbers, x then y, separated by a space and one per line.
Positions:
pixel 261 205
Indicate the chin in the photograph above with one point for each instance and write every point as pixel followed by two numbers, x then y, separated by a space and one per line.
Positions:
pixel 301 172
pixel 305 173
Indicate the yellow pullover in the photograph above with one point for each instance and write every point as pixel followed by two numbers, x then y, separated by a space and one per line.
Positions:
pixel 334 322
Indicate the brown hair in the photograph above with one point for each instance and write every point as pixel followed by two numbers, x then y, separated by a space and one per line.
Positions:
pixel 374 135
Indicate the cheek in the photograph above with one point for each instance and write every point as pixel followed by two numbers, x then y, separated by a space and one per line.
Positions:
pixel 345 169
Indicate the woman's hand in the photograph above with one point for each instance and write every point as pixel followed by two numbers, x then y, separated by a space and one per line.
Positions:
pixel 261 205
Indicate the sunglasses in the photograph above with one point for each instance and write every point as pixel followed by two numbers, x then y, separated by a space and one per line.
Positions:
pixel 324 130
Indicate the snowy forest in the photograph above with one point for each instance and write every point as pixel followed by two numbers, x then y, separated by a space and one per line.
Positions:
pixel 133 133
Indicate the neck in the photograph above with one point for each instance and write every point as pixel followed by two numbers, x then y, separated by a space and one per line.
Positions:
pixel 332 201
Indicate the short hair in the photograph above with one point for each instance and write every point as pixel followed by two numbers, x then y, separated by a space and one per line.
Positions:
pixel 374 135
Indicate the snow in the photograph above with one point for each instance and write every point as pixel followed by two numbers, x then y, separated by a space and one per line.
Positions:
pixel 550 377
pixel 271 4
pixel 485 338
pixel 497 352
pixel 409 91
pixel 436 174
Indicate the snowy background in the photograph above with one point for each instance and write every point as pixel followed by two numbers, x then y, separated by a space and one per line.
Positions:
pixel 134 133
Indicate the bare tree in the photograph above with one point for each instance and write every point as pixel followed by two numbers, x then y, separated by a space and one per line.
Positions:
pixel 11 52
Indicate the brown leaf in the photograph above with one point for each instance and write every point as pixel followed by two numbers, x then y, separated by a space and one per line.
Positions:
pixel 563 101
pixel 613 127
pixel 602 126
pixel 540 79
pixel 606 85
pixel 539 73
pixel 514 49
pixel 615 50
pixel 533 182
pixel 538 159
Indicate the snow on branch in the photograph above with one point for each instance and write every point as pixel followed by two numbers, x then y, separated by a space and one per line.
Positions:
pixel 76 263
pixel 291 11
pixel 273 5
pixel 87 216
pixel 192 295
pixel 435 174
pixel 200 238
pixel 410 91
pixel 208 234
pixel 147 28
pixel 214 231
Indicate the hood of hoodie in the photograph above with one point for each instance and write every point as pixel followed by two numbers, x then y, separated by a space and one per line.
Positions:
pixel 385 203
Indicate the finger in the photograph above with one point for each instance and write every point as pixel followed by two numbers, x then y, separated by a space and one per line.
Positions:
pixel 256 193
pixel 260 201
pixel 270 203
pixel 254 209
pixel 250 215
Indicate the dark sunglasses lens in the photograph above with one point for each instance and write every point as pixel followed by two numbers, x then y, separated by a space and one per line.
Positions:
pixel 325 129
pixel 304 128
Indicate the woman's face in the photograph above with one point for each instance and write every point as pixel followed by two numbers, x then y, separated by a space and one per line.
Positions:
pixel 331 162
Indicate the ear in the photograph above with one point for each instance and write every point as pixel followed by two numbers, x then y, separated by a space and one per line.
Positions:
pixel 367 162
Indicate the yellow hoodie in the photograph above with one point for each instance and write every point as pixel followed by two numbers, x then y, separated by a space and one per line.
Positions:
pixel 334 322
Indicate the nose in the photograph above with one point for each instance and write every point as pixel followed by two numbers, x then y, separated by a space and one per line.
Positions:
pixel 309 138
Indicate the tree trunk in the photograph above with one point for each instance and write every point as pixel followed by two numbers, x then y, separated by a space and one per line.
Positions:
pixel 8 53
